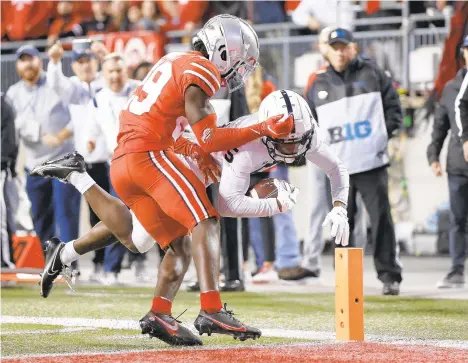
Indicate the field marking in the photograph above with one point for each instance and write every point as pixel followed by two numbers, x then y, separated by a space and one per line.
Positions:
pixel 168 349
pixel 128 324
pixel 46 331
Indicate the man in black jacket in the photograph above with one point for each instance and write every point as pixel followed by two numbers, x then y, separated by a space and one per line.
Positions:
pixel 461 105
pixel 447 117
pixel 9 153
pixel 358 110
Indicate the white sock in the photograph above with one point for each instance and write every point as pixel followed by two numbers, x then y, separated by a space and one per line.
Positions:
pixel 81 181
pixel 68 254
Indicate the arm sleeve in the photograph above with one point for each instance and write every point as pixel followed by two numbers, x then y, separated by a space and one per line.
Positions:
pixel 310 98
pixel 461 110
pixel 235 181
pixel 322 156
pixel 391 103
pixel 439 133
pixel 212 139
pixel 68 91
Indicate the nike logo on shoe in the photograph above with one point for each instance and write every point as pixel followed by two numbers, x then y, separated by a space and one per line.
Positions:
pixel 52 272
pixel 226 326
pixel 172 328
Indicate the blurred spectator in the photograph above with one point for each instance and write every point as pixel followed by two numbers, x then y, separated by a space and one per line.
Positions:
pixel 150 19
pixel 451 60
pixel 268 12
pixel 290 6
pixel 55 206
pixel 319 14
pixel 9 154
pixel 457 171
pixel 118 12
pixel 104 124
pixel 23 20
pixel 141 70
pixel 182 14
pixel 76 92
pixel 236 8
pixel 320 202
pixel 134 17
pixel 356 104
pixel 66 24
pixel 101 21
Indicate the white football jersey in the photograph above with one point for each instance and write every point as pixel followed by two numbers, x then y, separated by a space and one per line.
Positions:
pixel 238 164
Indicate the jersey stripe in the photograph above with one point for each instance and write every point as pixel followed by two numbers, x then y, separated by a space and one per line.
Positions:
pixel 207 71
pixel 187 183
pixel 457 105
pixel 176 186
pixel 202 78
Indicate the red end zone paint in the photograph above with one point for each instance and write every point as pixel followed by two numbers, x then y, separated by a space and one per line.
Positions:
pixel 345 352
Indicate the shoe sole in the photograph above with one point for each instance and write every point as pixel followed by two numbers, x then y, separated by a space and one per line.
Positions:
pixel 391 293
pixel 209 328
pixel 39 171
pixel 162 334
pixel 451 286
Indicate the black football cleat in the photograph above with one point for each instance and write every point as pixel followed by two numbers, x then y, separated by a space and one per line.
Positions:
pixel 232 286
pixel 168 329
pixel 61 168
pixel 193 286
pixel 223 322
pixel 53 267
pixel 391 288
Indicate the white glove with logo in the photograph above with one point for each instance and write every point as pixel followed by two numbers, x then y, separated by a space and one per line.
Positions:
pixel 338 219
pixel 287 195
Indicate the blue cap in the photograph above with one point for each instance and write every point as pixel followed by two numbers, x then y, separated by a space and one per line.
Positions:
pixel 340 35
pixel 465 42
pixel 27 49
pixel 77 55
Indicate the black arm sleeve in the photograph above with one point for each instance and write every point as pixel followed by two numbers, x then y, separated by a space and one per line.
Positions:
pixel 391 103
pixel 9 143
pixel 310 102
pixel 461 110
pixel 439 132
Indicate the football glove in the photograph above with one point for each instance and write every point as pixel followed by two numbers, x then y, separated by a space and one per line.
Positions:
pixel 338 219
pixel 287 195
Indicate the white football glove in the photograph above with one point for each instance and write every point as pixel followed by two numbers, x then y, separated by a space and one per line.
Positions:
pixel 338 219
pixel 287 195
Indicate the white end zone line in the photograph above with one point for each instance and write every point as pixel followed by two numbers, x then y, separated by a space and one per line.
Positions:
pixel 128 324
pixel 45 331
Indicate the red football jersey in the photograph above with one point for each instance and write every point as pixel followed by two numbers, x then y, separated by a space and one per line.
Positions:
pixel 155 114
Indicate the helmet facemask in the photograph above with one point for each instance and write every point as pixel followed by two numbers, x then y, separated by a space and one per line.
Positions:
pixel 237 76
pixel 289 151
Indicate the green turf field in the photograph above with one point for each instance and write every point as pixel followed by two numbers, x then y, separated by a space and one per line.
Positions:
pixel 386 316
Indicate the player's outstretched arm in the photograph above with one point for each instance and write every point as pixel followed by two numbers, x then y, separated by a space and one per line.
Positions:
pixel 202 119
pixel 321 155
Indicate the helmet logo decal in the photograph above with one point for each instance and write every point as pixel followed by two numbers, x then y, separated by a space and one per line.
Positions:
pixel 289 108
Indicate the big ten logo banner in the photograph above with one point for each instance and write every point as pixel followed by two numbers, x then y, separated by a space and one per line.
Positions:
pixel 350 131
pixel 136 47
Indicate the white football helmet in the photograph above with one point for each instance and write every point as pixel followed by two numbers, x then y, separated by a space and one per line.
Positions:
pixel 292 148
pixel 232 45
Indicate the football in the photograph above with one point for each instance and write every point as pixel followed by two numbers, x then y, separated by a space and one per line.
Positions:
pixel 265 188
